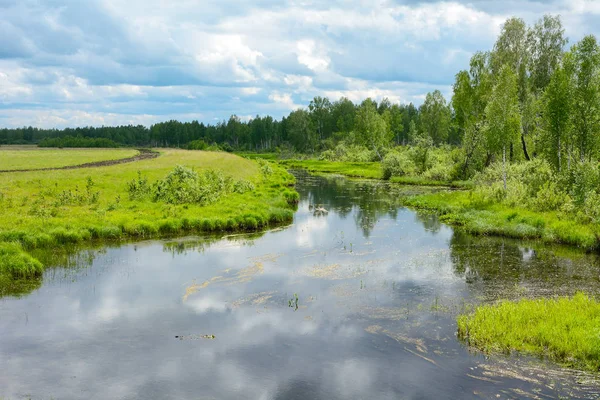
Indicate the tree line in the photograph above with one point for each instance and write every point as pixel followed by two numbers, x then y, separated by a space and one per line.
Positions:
pixel 306 130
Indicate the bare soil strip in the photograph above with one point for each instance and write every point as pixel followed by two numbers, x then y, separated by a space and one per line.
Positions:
pixel 144 154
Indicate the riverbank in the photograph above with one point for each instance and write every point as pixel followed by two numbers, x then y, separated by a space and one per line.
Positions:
pixel 367 170
pixel 463 209
pixel 42 210
pixel 564 330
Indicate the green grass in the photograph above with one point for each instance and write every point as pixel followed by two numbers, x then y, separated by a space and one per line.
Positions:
pixel 34 215
pixel 460 208
pixel 352 169
pixel 421 181
pixel 367 170
pixel 262 156
pixel 564 330
pixel 17 264
pixel 17 158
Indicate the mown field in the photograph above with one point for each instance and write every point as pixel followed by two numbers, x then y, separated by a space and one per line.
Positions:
pixel 18 158
pixel 50 209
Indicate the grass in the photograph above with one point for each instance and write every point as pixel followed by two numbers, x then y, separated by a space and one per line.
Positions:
pixel 262 156
pixel 367 170
pixel 564 330
pixel 17 158
pixel 44 210
pixel 352 169
pixel 460 208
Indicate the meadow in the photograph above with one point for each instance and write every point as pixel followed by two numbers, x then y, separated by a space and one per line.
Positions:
pixel 28 157
pixel 179 192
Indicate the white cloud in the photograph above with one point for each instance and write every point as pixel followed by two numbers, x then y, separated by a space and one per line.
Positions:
pixel 312 55
pixel 108 60
pixel 283 99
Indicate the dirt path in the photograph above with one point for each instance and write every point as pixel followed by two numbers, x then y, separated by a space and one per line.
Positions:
pixel 144 154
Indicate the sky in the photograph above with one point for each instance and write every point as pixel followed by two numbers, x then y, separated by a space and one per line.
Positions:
pixel 111 62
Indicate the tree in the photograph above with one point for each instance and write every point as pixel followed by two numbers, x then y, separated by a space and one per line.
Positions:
pixel 545 43
pixel 413 133
pixel 384 105
pixel 320 109
pixel 435 117
pixel 395 124
pixel 511 49
pixel 371 127
pixel 299 130
pixel 557 111
pixel 586 107
pixel 502 114
pixel 343 112
pixel 462 102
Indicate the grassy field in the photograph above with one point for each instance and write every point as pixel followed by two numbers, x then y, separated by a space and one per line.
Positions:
pixel 461 208
pixel 53 208
pixel 17 158
pixel 565 330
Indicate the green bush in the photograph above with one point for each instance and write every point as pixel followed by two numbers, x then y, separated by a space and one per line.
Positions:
pixel 549 197
pixel 349 153
pixel 197 145
pixel 138 188
pixel 242 186
pixel 582 180
pixel 397 163
pixel 184 185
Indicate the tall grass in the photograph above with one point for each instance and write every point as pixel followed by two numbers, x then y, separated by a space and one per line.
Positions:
pixel 565 330
pixel 15 263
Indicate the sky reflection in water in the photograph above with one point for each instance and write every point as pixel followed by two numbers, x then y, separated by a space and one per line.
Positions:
pixel 377 286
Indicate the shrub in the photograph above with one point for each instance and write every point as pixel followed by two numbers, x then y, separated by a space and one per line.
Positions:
pixel 197 145
pixel 138 188
pixel 184 185
pixel 549 197
pixel 265 167
pixel 349 153
pixel 397 163
pixel 242 186
pixel 581 180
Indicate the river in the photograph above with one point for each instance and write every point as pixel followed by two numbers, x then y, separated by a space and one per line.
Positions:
pixel 357 299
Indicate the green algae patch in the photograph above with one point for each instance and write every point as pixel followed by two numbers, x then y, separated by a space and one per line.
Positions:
pixel 565 330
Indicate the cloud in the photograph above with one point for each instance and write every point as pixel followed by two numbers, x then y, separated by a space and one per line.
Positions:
pixel 108 60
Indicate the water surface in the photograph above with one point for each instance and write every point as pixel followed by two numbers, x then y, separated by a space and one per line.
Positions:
pixel 356 299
